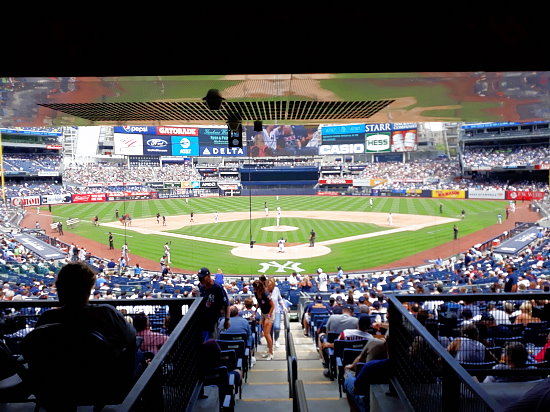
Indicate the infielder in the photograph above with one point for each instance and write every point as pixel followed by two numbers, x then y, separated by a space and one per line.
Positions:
pixel 278 216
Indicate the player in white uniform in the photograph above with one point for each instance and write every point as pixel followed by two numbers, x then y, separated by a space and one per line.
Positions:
pixel 278 216
pixel 281 244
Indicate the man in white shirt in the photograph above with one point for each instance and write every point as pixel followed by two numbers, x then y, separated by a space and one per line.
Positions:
pixel 323 280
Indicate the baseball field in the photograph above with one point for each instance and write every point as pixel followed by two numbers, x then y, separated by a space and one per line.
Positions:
pixel 349 232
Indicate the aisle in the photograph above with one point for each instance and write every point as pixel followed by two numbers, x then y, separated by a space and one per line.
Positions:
pixel 267 388
pixel 321 393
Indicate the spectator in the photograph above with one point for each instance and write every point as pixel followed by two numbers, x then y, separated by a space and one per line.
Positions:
pixel 514 356
pixel 152 341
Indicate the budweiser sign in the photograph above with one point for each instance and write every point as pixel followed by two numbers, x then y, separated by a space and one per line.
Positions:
pixel 89 197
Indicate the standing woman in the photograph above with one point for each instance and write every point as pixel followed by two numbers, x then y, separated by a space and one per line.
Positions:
pixel 267 307
pixel 280 307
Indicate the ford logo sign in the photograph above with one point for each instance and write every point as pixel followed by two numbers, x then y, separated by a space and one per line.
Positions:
pixel 157 142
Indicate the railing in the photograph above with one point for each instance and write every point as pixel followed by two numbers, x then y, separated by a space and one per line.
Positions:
pixel 299 402
pixel 171 379
pixel 426 375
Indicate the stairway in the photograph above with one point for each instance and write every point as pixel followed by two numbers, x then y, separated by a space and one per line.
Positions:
pixel 267 388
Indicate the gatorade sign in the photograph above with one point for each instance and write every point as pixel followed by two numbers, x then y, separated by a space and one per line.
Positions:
pixel 379 142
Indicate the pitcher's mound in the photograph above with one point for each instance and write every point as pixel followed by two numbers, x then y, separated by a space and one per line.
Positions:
pixel 279 228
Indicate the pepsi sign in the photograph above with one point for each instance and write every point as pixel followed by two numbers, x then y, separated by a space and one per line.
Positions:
pixel 135 129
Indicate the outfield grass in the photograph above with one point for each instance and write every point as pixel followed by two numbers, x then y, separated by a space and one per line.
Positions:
pixel 355 255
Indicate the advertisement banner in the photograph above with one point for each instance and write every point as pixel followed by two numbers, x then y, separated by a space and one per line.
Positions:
pixel 190 184
pixel 48 173
pixel 524 195
pixel 519 242
pixel 404 140
pixel 449 194
pixel 345 134
pixel 178 131
pixel 89 197
pixel 362 182
pixel 26 201
pixel 39 247
pixel 156 185
pixel 328 193
pixel 494 194
pixel 230 186
pixel 128 144
pixel 222 151
pixel 335 181
pixel 135 129
pixel 232 193
pixel 55 199
pixel 184 145
pixel 341 149
pixel 379 142
pixel 156 145
pixel 208 185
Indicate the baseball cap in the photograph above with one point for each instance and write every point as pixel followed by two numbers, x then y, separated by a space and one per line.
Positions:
pixel 318 297
pixel 203 273
pixel 362 299
pixel 319 270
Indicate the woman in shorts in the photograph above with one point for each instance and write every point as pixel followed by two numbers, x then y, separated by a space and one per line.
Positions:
pixel 267 308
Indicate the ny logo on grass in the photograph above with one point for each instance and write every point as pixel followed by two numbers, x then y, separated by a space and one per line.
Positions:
pixel 289 265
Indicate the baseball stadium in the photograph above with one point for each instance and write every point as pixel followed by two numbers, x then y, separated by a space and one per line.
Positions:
pixel 246 241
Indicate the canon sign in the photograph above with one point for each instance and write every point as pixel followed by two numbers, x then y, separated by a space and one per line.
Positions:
pixel 342 149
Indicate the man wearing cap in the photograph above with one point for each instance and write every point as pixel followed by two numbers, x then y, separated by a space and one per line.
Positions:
pixel 316 306
pixel 214 305
pixel 322 278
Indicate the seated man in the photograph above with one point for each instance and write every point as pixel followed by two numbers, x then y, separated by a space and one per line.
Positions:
pixel 237 325
pixel 152 341
pixel 316 306
pixel 92 327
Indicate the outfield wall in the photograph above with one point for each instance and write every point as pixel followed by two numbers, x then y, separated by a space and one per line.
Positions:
pixel 515 195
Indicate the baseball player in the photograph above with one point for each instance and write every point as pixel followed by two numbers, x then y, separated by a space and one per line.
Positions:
pixel 167 253
pixel 281 244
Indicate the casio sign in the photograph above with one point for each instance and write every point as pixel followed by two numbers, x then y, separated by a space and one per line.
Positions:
pixel 157 143
pixel 342 149
pixel 133 129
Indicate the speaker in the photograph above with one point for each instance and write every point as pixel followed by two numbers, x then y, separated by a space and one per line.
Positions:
pixel 258 126
pixel 235 136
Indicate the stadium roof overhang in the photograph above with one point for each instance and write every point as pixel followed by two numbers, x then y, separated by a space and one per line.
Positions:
pixel 276 62
pixel 280 98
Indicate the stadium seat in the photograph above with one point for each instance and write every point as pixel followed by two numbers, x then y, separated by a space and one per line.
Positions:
pixel 59 356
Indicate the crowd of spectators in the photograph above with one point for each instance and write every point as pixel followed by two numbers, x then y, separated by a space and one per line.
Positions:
pixel 505 156
pixel 31 163
pixel 83 174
